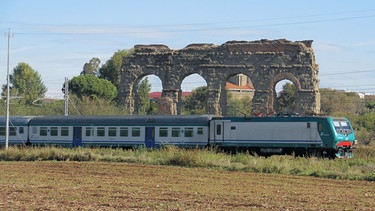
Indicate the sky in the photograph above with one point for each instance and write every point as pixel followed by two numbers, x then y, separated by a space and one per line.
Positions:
pixel 56 38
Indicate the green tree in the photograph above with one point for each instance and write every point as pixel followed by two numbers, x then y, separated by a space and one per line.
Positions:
pixel 111 70
pixel 238 106
pixel 92 67
pixel 333 102
pixel 370 105
pixel 285 101
pixel 196 102
pixel 93 87
pixel 25 83
pixel 144 88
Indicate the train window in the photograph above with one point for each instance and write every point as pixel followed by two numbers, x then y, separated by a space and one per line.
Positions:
pixel 200 131
pixel 163 132
pixel 175 132
pixel 218 129
pixel 189 131
pixel 89 131
pixel 43 131
pixel 12 131
pixel 233 127
pixel 64 131
pixel 136 132
pixel 112 131
pixel 2 131
pixel 344 125
pixel 124 131
pixel 21 130
pixel 100 131
pixel 308 125
pixel 54 131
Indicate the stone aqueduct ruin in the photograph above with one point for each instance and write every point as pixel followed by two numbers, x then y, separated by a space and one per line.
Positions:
pixel 265 62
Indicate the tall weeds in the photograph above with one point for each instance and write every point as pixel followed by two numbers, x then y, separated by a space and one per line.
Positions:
pixel 362 167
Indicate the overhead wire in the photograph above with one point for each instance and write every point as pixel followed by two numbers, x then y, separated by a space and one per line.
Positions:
pixel 121 29
pixel 212 26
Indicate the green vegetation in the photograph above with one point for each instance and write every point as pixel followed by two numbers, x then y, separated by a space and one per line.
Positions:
pixel 25 85
pixel 362 167
pixel 145 106
pixel 196 102
pixel 93 87
pixel 285 101
pixel 238 107
pixel 92 67
pixel 111 70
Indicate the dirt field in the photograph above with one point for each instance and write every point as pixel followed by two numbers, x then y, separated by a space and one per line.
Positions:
pixel 119 186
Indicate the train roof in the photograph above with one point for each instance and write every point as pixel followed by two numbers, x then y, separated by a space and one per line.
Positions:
pixel 278 118
pixel 127 120
pixel 16 120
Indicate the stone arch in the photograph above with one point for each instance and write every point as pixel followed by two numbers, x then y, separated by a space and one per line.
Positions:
pixel 264 61
pixel 239 82
pixel 179 106
pixel 279 77
pixel 135 89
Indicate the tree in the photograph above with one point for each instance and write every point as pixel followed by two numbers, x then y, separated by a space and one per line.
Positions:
pixel 370 105
pixel 334 102
pixel 196 102
pixel 144 88
pixel 238 107
pixel 92 67
pixel 92 86
pixel 111 70
pixel 25 83
pixel 285 102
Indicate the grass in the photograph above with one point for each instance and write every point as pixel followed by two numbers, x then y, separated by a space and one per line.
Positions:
pixel 362 167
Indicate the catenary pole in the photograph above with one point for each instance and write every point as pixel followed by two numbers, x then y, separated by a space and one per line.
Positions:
pixel 8 98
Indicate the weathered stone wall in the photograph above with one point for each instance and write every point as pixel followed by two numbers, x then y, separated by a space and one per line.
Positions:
pixel 266 62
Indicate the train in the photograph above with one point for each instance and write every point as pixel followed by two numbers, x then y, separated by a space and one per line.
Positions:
pixel 331 137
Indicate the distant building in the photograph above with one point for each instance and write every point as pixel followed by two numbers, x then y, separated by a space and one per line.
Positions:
pixel 240 86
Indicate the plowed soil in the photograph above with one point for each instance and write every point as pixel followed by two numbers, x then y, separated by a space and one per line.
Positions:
pixel 120 186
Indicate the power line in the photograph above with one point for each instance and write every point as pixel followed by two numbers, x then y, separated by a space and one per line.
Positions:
pixel 346 73
pixel 121 29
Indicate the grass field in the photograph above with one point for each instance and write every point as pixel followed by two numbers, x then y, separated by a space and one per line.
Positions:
pixel 362 167
pixel 51 185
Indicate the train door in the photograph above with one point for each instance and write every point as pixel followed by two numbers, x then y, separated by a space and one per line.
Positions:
pixel 150 137
pixel 77 136
pixel 221 132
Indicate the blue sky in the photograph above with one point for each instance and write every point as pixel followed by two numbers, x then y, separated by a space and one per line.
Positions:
pixel 56 38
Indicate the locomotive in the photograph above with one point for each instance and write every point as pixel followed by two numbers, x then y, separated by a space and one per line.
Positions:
pixel 301 135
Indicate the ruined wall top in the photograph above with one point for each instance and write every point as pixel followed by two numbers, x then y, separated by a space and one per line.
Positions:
pixel 263 45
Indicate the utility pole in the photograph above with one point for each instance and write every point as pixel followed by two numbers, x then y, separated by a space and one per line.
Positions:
pixel 8 98
pixel 66 97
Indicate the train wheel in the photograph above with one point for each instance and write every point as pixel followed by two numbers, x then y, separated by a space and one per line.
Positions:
pixel 314 153
pixel 341 153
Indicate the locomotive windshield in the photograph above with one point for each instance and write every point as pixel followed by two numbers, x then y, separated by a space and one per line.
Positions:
pixel 342 126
